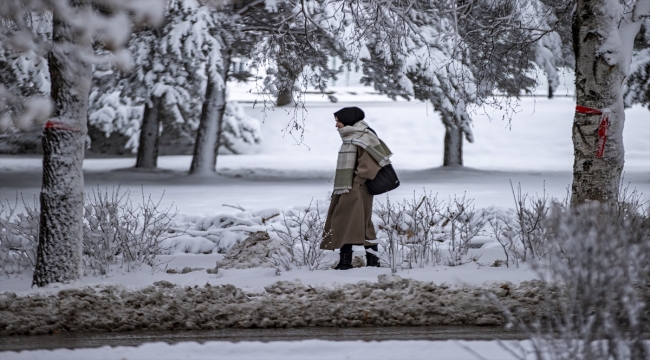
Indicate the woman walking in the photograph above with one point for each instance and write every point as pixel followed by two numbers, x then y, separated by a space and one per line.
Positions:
pixel 361 156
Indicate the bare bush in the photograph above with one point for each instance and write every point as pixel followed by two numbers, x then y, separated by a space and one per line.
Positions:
pixel 119 232
pixel 300 239
pixel 393 226
pixel 423 234
pixel 464 224
pixel 18 237
pixel 523 232
pixel 600 256
pixel 414 230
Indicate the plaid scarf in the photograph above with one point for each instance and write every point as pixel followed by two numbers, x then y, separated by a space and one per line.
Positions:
pixel 353 136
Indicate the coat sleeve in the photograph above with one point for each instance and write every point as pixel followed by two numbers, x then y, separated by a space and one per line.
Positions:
pixel 367 167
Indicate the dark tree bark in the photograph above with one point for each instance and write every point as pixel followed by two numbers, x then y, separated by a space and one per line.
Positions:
pixel 285 96
pixel 149 135
pixel 288 79
pixel 453 155
pixel 550 91
pixel 60 239
pixel 208 136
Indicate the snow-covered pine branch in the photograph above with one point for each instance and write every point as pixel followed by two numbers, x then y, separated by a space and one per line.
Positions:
pixel 637 87
pixel 297 40
pixel 240 132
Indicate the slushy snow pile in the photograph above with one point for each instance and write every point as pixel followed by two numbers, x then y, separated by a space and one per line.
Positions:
pixel 252 252
pixel 390 301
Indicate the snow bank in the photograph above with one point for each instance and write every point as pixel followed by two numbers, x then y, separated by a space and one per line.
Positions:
pixel 222 231
pixel 390 301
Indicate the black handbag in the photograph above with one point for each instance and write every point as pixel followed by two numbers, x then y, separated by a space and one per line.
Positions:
pixel 385 181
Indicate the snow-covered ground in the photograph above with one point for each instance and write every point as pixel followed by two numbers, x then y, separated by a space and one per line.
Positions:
pixel 289 350
pixel 534 149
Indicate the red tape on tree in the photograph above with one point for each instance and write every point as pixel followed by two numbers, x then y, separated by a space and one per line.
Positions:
pixel 603 127
pixel 55 125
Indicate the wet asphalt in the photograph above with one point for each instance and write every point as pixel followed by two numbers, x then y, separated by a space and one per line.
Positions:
pixel 135 338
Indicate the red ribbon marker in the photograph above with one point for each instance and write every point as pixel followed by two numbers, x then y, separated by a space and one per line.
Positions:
pixel 602 128
pixel 55 125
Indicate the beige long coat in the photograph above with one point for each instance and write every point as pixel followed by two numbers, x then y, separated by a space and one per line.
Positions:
pixel 349 215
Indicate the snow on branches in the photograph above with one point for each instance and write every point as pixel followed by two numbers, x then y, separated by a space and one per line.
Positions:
pixel 26 39
pixel 637 89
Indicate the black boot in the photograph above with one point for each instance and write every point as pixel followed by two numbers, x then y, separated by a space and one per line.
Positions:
pixel 371 259
pixel 345 261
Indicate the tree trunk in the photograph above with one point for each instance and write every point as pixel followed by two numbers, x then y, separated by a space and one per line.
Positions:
pixel 453 146
pixel 599 79
pixel 208 136
pixel 550 91
pixel 149 135
pixel 287 81
pixel 285 97
pixel 60 238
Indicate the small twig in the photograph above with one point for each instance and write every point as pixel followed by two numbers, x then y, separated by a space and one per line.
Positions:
pixel 236 207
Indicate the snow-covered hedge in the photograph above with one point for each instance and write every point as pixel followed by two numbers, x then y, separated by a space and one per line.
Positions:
pixel 412 233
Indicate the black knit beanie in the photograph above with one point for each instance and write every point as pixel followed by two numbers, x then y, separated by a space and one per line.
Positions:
pixel 350 115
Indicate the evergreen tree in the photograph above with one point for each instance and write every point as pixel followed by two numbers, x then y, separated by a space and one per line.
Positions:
pixel 297 40
pixel 442 56
pixel 24 75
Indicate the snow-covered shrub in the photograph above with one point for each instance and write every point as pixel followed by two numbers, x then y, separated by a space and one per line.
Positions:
pixel 116 232
pixel 226 230
pixel 522 231
pixel 462 223
pixel 419 237
pixel 119 232
pixel 18 237
pixel 394 230
pixel 300 233
pixel 240 132
pixel 601 258
pixel 413 231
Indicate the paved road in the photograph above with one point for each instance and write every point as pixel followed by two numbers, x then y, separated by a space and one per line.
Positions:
pixel 86 340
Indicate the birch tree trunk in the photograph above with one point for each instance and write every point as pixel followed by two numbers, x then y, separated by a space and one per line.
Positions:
pixel 453 155
pixel 208 136
pixel 149 135
pixel 601 41
pixel 60 238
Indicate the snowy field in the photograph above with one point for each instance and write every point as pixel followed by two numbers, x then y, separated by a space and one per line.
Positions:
pixel 294 350
pixel 535 150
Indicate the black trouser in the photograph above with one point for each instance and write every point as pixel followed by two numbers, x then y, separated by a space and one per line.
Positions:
pixel 347 248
